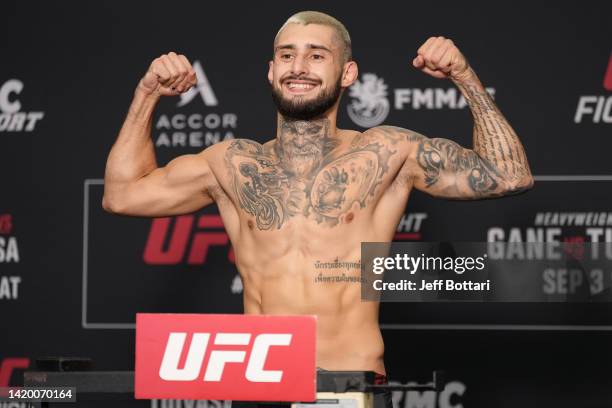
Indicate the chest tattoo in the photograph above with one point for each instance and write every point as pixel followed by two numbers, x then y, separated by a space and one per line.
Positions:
pixel 305 172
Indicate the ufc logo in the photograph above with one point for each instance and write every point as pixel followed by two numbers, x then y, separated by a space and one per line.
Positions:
pixel 6 224
pixel 254 372
pixel 225 357
pixel 166 246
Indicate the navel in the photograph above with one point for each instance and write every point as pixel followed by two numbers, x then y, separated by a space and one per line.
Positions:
pixel 251 224
pixel 349 217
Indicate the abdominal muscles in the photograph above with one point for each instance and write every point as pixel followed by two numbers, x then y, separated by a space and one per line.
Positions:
pixel 314 281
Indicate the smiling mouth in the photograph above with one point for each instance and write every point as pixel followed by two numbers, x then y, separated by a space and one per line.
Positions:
pixel 299 86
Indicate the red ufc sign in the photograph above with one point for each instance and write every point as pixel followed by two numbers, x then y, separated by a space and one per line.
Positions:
pixel 167 245
pixel 225 357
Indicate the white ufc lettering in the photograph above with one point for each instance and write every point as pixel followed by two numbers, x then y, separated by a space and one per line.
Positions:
pixel 255 372
pixel 263 342
pixel 169 367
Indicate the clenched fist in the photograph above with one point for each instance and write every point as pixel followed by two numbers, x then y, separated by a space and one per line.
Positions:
pixel 440 58
pixel 168 75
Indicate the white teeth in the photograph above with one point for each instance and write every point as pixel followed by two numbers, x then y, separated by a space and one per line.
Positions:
pixel 293 85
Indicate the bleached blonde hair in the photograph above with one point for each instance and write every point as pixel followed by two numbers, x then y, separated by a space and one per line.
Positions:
pixel 316 17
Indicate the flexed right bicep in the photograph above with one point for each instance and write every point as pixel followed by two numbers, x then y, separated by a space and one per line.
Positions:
pixel 182 186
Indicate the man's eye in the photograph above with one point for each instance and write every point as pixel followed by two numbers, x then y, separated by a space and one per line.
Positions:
pixel 285 56
pixel 317 56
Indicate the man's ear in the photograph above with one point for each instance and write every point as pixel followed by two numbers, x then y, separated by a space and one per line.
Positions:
pixel 349 74
pixel 270 64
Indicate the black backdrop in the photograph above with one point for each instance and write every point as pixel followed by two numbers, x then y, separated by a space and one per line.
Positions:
pixel 72 276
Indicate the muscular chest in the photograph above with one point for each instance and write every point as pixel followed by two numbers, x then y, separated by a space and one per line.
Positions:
pixel 300 184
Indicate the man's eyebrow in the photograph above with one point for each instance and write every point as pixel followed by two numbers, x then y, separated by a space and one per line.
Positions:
pixel 285 47
pixel 293 47
pixel 318 47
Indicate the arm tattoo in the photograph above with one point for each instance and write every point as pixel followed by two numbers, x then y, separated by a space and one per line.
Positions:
pixel 496 166
pixel 448 169
pixel 494 138
pixel 435 156
pixel 304 173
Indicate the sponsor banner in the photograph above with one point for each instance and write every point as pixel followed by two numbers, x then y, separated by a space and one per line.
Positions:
pixel 225 357
pixel 370 100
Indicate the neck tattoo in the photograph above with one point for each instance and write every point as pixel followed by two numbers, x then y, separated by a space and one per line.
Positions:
pixel 302 145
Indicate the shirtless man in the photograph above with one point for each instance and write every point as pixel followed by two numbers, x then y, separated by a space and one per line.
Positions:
pixel 315 192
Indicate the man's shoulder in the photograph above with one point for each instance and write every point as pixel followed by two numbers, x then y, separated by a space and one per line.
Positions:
pixel 239 147
pixel 235 144
pixel 386 134
pixel 394 133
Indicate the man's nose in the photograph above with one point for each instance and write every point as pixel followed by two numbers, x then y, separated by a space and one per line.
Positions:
pixel 299 67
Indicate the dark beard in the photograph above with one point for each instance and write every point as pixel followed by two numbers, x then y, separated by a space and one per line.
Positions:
pixel 301 110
